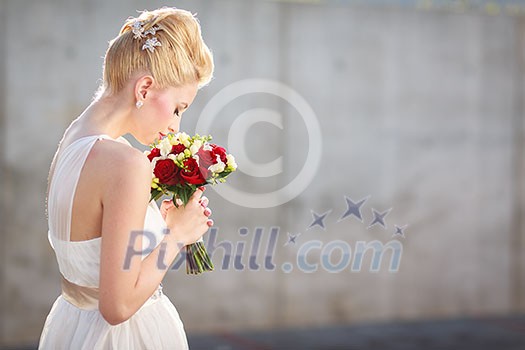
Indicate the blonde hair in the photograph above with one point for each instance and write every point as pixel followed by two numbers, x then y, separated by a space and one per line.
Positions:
pixel 183 57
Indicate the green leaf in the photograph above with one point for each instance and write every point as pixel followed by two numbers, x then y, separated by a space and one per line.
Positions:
pixel 155 194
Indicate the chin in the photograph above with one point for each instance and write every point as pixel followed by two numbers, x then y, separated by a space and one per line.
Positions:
pixel 147 139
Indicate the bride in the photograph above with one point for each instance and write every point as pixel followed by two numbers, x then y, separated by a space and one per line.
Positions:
pixel 99 189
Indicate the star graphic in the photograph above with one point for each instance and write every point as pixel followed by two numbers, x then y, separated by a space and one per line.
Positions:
pixel 354 208
pixel 399 231
pixel 318 219
pixel 379 218
pixel 292 238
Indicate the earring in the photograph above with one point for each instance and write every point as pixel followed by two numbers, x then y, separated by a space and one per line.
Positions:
pixel 139 104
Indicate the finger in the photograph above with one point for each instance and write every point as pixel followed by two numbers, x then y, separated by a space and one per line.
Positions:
pixel 207 211
pixel 196 195
pixel 204 201
pixel 179 201
pixel 167 203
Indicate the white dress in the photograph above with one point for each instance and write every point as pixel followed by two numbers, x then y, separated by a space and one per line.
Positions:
pixel 156 325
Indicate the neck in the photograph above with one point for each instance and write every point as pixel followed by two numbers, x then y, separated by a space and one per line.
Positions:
pixel 109 114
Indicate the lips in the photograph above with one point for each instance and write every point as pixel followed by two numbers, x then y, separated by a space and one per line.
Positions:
pixel 161 135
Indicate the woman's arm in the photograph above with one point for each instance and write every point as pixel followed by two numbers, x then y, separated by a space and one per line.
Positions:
pixel 126 188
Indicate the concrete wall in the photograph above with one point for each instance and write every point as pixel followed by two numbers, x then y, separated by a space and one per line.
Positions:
pixel 421 112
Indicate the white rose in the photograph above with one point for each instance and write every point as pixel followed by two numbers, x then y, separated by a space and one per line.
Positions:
pixel 218 167
pixel 195 147
pixel 184 139
pixel 231 161
pixel 164 147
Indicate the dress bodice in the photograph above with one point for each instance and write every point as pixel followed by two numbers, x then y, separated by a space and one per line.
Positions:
pixel 79 261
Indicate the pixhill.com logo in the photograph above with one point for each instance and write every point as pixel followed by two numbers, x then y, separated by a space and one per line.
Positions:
pixel 259 254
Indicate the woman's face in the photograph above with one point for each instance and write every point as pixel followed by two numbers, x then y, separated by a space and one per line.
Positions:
pixel 162 111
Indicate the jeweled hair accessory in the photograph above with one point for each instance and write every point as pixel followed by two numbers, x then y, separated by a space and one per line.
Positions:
pixel 139 33
pixel 151 43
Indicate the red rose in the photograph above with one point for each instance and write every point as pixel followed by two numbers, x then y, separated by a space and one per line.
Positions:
pixel 154 153
pixel 192 174
pixel 220 151
pixel 206 158
pixel 167 172
pixel 176 149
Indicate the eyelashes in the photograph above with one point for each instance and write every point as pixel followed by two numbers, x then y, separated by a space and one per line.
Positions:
pixel 177 112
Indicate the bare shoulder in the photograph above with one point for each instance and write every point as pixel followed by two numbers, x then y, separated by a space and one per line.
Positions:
pixel 119 160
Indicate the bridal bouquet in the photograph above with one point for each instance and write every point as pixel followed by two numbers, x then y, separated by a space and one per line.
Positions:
pixel 180 164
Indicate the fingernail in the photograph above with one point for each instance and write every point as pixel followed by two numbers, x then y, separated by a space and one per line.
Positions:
pixel 202 188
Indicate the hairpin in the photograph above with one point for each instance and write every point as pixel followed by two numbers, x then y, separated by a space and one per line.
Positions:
pixel 151 43
pixel 137 29
pixel 152 30
pixel 138 33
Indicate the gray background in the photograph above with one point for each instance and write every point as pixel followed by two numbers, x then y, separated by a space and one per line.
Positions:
pixel 420 106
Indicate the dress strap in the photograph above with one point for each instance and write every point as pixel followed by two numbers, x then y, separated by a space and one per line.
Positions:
pixel 62 181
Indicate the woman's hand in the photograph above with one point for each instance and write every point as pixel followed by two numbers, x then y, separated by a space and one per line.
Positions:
pixel 188 223
pixel 168 204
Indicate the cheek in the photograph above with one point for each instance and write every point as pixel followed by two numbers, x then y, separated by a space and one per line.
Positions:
pixel 162 112
pixel 164 108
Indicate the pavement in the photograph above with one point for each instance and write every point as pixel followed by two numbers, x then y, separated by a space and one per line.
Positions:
pixel 502 333
pixel 495 333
